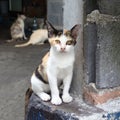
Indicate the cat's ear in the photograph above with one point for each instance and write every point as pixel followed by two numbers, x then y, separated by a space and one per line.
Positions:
pixel 51 29
pixel 75 31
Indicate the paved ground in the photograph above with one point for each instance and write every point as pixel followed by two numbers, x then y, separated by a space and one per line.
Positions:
pixel 16 67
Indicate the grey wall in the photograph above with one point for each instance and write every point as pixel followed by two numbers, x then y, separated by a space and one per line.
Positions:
pixel 110 7
pixel 72 13
pixel 55 12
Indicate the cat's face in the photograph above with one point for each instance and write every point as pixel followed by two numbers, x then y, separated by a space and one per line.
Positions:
pixel 62 43
pixel 62 40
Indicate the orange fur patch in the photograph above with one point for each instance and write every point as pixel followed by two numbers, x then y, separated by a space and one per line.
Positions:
pixel 42 67
pixel 67 33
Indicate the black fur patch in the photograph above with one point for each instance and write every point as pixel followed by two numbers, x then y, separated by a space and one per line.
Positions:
pixel 37 74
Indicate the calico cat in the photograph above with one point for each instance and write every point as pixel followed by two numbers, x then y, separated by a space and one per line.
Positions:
pixel 56 67
pixel 17 29
pixel 38 37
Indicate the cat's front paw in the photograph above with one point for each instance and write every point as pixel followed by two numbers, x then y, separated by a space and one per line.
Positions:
pixel 67 98
pixel 56 101
pixel 44 96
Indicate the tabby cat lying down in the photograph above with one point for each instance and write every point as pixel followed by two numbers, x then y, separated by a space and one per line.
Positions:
pixel 56 67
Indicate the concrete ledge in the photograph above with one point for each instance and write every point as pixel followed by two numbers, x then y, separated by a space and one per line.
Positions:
pixel 76 110
pixel 98 96
pixel 37 109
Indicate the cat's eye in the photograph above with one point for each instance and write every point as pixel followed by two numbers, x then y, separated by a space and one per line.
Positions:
pixel 70 42
pixel 57 41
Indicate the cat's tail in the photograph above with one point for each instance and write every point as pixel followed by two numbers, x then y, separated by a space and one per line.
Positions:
pixel 27 98
pixel 23 45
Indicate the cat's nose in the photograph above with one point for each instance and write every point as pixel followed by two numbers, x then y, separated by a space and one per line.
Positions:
pixel 62 48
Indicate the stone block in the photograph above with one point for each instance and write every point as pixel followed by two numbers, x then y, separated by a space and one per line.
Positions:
pixel 111 7
pixel 107 63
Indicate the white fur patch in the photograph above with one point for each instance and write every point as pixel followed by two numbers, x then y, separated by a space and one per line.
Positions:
pixel 40 88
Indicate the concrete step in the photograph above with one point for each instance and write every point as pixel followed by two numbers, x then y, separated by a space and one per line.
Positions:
pixel 76 110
